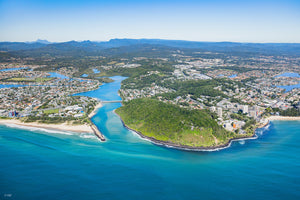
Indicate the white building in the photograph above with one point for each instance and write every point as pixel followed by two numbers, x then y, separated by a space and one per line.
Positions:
pixel 245 109
pixel 213 109
pixel 220 112
pixel 253 114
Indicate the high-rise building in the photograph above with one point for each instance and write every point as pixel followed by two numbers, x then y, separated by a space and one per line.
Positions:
pixel 219 111
pixel 245 109
pixel 253 114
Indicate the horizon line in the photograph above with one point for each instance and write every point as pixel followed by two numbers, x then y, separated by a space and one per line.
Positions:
pixel 183 40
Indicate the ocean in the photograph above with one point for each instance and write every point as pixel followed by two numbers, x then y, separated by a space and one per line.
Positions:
pixel 41 164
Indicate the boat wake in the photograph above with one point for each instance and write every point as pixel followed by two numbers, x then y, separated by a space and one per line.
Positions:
pixel 242 142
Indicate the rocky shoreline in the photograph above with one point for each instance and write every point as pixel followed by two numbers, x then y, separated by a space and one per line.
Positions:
pixel 185 147
pixel 212 148
pixel 94 128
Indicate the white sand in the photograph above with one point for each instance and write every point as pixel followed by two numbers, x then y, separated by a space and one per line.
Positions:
pixel 283 118
pixel 82 128
pixel 63 127
pixel 99 105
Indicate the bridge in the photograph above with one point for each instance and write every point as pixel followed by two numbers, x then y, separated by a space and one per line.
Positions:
pixel 117 101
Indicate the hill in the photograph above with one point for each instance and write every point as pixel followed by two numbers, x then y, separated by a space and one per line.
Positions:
pixel 144 46
pixel 173 125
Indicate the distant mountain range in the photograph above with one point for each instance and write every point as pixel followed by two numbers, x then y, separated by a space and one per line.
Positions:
pixel 41 41
pixel 114 46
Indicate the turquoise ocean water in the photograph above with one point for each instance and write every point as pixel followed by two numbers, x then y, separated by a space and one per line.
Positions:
pixel 41 164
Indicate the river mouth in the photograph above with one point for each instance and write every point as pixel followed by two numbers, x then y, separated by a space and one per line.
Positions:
pixel 108 93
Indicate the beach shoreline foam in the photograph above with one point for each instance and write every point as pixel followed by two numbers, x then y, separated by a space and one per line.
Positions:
pixel 59 127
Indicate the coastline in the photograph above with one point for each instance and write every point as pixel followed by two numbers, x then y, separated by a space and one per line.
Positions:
pixel 80 128
pixel 61 127
pixel 210 148
pixel 185 147
pixel 99 105
pixel 283 118
pixel 93 127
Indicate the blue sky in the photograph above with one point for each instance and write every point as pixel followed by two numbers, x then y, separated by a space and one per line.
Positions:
pixel 213 20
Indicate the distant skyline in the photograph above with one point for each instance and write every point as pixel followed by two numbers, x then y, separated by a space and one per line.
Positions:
pixel 259 21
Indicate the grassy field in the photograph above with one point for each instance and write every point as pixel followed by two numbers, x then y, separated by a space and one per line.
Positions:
pixel 25 79
pixel 52 111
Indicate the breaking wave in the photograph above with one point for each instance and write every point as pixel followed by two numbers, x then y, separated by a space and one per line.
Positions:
pixel 261 131
pixel 87 135
pixel 35 129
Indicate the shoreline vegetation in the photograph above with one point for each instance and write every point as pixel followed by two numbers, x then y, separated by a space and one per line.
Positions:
pixel 212 148
pixel 194 130
pixel 227 144
pixel 79 128
pixel 186 147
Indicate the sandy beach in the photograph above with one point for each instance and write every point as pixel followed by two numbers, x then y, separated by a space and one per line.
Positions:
pixel 81 128
pixel 99 105
pixel 61 127
pixel 283 118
